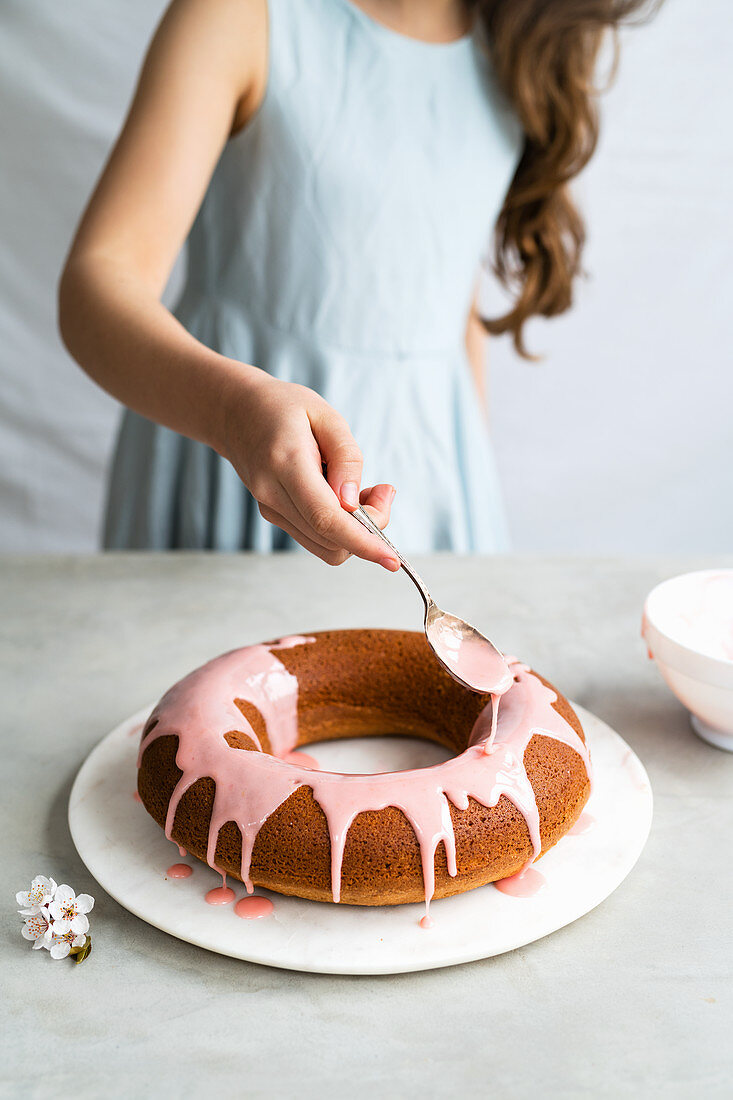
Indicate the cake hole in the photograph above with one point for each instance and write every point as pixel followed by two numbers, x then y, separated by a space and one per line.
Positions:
pixel 368 755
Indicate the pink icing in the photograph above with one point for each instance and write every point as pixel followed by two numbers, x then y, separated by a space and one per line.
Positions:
pixel 302 758
pixel 523 885
pixel 250 786
pixel 253 907
pixel 182 851
pixel 471 658
pixel 426 922
pixel 179 870
pixel 136 796
pixel 220 895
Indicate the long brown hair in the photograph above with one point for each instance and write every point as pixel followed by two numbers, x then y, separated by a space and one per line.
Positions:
pixel 543 54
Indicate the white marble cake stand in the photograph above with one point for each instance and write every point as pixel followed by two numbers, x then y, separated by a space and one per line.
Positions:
pixel 128 855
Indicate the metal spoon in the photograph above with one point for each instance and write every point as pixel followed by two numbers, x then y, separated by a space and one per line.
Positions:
pixel 463 651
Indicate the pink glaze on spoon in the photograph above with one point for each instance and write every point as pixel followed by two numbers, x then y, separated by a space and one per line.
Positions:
pixel 179 870
pixel 253 907
pixel 251 785
pixel 524 885
pixel 471 657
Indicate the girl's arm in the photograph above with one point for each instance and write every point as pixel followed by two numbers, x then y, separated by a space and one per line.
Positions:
pixel 204 76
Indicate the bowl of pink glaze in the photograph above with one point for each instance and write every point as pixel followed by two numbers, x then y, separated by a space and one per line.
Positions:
pixel 688 628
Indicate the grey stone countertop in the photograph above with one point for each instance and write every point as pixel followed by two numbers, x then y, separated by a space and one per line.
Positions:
pixel 635 999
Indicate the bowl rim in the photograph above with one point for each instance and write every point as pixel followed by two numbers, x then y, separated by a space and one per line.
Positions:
pixel 716 671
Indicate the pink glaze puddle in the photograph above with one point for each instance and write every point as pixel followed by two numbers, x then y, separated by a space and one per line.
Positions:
pixel 182 851
pixel 220 895
pixel 426 922
pixel 136 796
pixel 179 870
pixel 582 825
pixel 251 785
pixel 303 759
pixel 253 907
pixel 524 885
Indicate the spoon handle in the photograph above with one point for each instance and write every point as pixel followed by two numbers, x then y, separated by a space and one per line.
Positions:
pixel 366 521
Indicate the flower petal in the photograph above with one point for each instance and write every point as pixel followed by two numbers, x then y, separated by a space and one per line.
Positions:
pixel 79 924
pixel 60 950
pixel 32 912
pixel 64 894
pixel 84 903
pixel 61 926
pixel 23 898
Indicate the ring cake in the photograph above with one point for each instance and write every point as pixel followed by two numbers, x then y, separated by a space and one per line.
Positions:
pixel 212 770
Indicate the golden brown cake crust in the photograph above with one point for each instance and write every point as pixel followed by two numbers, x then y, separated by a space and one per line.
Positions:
pixel 357 683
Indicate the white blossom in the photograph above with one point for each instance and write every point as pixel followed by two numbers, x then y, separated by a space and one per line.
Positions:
pixel 35 928
pixel 68 913
pixel 40 894
pixel 59 946
pixel 55 917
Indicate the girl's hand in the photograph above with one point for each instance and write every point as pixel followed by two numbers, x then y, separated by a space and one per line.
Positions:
pixel 279 436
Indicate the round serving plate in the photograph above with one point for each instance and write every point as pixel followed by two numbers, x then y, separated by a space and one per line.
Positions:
pixel 128 855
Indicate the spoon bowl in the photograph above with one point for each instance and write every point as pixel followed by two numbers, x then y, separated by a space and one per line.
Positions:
pixel 463 651
pixel 468 655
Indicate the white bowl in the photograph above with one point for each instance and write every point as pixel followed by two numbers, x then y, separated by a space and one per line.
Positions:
pixel 693 667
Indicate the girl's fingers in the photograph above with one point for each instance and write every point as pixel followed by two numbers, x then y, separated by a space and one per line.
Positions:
pixel 332 556
pixel 340 454
pixel 378 503
pixel 281 504
pixel 325 518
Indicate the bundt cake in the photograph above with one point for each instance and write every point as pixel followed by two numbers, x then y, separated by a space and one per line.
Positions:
pixel 211 770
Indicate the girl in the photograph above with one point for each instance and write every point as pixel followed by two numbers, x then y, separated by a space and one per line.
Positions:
pixel 339 164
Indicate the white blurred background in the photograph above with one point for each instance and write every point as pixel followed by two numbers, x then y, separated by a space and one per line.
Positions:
pixel 621 440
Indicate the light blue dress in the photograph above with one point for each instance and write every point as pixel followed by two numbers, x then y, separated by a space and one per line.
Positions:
pixel 337 246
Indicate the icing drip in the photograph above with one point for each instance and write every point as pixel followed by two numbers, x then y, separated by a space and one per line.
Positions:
pixel 179 870
pixel 253 907
pixel 523 885
pixel 251 785
pixel 221 895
